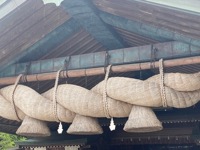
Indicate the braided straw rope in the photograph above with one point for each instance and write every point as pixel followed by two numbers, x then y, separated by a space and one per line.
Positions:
pixel 118 95
pixel 105 102
pixel 162 84
pixel 12 98
pixel 55 97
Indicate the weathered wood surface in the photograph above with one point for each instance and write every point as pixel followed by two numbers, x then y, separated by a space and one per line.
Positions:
pixel 168 50
pixel 173 19
pixel 101 70
pixel 31 26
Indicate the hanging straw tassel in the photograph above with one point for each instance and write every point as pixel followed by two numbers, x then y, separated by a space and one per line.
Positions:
pixel 142 119
pixel 33 128
pixel 30 126
pixel 83 125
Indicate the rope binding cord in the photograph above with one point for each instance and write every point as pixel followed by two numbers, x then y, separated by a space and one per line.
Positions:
pixel 60 129
pixel 162 84
pixel 13 93
pixel 105 102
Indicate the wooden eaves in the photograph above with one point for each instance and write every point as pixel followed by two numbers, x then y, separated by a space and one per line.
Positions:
pixel 123 60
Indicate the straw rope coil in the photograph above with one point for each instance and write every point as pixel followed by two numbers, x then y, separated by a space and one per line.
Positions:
pixel 34 105
pixel 113 97
pixel 179 81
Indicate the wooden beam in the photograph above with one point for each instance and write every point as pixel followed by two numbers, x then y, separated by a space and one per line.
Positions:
pixel 8 128
pixel 167 50
pixel 55 142
pixel 101 70
pixel 166 136
pixel 84 13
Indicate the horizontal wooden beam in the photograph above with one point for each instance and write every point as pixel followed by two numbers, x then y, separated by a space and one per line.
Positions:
pixel 101 70
pixel 8 128
pixel 166 136
pixel 168 50
pixel 55 142
pixel 168 117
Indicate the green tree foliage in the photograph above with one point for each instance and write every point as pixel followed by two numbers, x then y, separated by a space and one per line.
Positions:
pixel 8 140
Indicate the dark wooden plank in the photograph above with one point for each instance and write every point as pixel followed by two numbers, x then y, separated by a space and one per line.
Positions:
pixel 19 29
pixel 135 36
pixel 18 15
pixel 70 46
pixel 141 12
pixel 81 42
pixel 34 34
pixel 84 13
pixel 148 6
pixel 167 50
pixel 187 131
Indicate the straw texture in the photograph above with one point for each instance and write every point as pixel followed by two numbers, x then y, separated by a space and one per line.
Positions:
pixel 87 103
pixel 33 128
pixel 35 105
pixel 148 94
pixel 181 99
pixel 124 97
pixel 142 119
pixel 7 111
pixel 132 91
pixel 179 81
pixel 83 125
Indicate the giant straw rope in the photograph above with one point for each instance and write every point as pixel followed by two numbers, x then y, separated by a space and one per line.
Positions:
pixel 125 97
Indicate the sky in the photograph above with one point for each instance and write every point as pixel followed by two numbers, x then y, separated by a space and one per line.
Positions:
pixel 13 4
pixel 191 5
pixel 57 2
pixel 2 1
